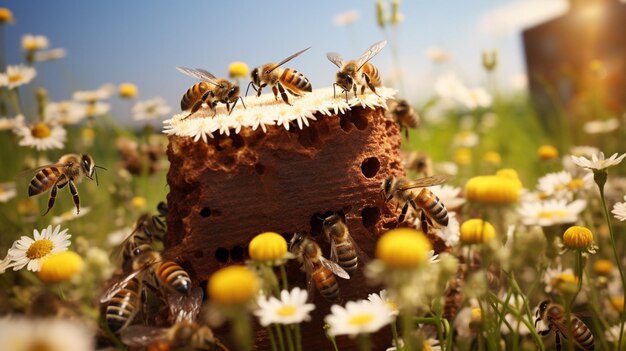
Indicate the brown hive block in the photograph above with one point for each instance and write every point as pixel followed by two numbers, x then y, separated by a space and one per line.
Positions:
pixel 225 191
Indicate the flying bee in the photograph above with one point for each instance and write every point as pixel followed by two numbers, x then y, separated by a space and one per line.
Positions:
pixel 401 191
pixel 553 315
pixel 419 162
pixel 404 115
pixel 281 80
pixel 69 170
pixel 359 72
pixel 211 91
pixel 180 336
pixel 343 248
pixel 320 272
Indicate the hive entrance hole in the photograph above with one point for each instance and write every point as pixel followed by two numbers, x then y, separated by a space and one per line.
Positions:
pixel 221 255
pixel 370 216
pixel 370 167
pixel 237 253
pixel 205 212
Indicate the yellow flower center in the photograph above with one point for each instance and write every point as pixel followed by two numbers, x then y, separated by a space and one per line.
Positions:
pixel 475 231
pixel 552 214
pixel 39 249
pixel 392 305
pixel 361 319
pixel 91 110
pixel 603 267
pixel 286 311
pixel 476 314
pixel 575 184
pixel 402 248
pixel 577 237
pixel 40 131
pixel 15 77
pixel 618 303
pixel 268 246
pixel 426 346
pixel 60 267
pixel 40 345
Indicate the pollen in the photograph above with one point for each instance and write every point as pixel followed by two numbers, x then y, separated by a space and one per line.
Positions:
pixel 577 238
pixel 361 319
pixel 40 131
pixel 286 311
pixel 39 249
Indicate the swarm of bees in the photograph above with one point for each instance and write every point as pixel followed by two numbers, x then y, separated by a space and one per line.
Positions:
pixel 352 75
pixel 553 315
pixel 401 191
pixel 68 171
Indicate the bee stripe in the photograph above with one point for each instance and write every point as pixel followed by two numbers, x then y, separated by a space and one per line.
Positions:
pixel 582 334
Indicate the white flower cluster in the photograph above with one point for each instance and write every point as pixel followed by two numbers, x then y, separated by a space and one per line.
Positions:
pixel 264 111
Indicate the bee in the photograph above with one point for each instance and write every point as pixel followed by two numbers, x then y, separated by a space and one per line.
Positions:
pixel 170 276
pixel 69 170
pixel 453 298
pixel 281 80
pixel 320 272
pixel 400 190
pixel 147 229
pixel 359 72
pixel 403 114
pixel 121 302
pixel 553 315
pixel 181 336
pixel 343 249
pixel 211 90
pixel 419 162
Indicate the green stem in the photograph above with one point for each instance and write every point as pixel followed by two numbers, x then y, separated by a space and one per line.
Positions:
pixel 290 343
pixel 448 330
pixel 331 338
pixel 364 342
pixel 407 328
pixel 579 275
pixel 270 333
pixel 519 316
pixel 279 332
pixel 394 333
pixel 617 260
pixel 283 276
pixel 242 331
pixel 298 333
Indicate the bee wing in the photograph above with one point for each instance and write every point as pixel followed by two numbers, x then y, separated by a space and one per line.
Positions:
pixel 199 74
pixel 333 251
pixel 362 256
pixel 310 285
pixel 116 256
pixel 428 181
pixel 111 291
pixel 185 308
pixel 335 268
pixel 371 52
pixel 142 335
pixel 288 59
pixel 335 58
pixel 35 170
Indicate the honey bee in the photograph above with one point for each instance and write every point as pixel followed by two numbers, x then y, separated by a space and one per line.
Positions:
pixel 170 276
pixel 181 336
pixel 147 229
pixel 403 114
pixel 122 302
pixel 359 72
pixel 343 249
pixel 453 298
pixel 211 90
pixel 69 170
pixel 553 315
pixel 419 162
pixel 400 190
pixel 281 80
pixel 320 272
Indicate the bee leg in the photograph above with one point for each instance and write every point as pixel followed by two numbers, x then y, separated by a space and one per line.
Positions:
pixel 283 93
pixel 354 88
pixel 424 222
pixel 405 208
pixel 334 92
pixel 195 108
pixel 369 84
pixel 275 91
pixel 557 341
pixel 75 197
pixel 53 196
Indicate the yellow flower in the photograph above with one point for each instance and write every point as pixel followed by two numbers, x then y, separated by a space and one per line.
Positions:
pixel 268 246
pixel 492 158
pixel 88 135
pixel 476 315
pixel 463 156
pixel 403 248
pixel 138 202
pixel 603 267
pixel 6 16
pixel 27 207
pixel 498 189
pixel 565 283
pixel 547 152
pixel 578 238
pixel 127 90
pixel 60 267
pixel 617 302
pixel 233 285
pixel 476 231
pixel 238 70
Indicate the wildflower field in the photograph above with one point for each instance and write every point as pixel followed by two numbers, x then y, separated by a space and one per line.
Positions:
pixel 507 232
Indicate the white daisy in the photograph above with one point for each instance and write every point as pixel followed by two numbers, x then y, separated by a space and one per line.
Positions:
pixel 518 326
pixel 34 42
pixel 103 93
pixel 69 215
pixel 430 344
pixel 150 109
pixel 597 161
pixel 31 252
pixel 290 309
pixel 601 126
pixel 50 55
pixel 262 119
pixel 466 320
pixel 612 334
pixel 41 136
pixel 550 212
pixel 449 195
pixel 465 138
pixel 360 317
pixel 17 75
pixel 303 116
pixel 383 297
pixel 619 210
pixel 7 191
pixel 65 112
pixel 554 275
pixel 563 185
pixel 11 123
pixel 27 334
pixel 451 233
pixel 96 108
pixel 346 18
pixel 437 55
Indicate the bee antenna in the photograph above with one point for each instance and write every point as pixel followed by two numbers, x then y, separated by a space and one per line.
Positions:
pixel 248 88
pixel 100 167
pixel 96 174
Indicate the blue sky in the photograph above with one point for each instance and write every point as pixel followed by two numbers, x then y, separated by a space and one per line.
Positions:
pixel 142 41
